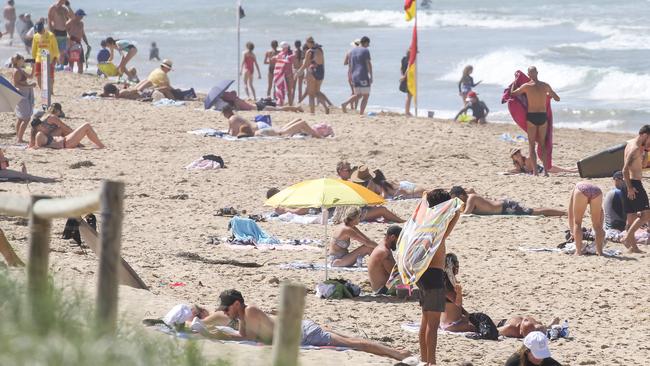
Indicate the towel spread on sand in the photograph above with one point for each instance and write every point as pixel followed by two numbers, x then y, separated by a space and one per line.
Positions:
pixel 246 230
pixel 296 219
pixel 321 267
pixel 168 103
pixel 528 216
pixel 421 238
pixel 211 132
pixel 203 164
pixel 570 248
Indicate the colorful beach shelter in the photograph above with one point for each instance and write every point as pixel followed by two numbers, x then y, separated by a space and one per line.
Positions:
pixel 9 96
pixel 324 193
pixel 421 237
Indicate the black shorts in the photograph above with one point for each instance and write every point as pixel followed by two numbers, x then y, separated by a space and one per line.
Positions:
pixel 536 118
pixel 432 290
pixel 639 203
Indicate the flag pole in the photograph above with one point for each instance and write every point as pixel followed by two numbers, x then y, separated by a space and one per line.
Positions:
pixel 237 13
pixel 417 49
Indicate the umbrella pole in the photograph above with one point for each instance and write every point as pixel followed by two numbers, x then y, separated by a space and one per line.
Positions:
pixel 325 217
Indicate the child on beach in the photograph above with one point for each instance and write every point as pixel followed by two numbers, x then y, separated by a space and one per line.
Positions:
pixel 25 107
pixel 248 62
pixel 127 50
pixel 466 83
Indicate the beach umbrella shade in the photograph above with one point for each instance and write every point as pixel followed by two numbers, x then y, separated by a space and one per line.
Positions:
pixel 9 96
pixel 216 92
pixel 324 193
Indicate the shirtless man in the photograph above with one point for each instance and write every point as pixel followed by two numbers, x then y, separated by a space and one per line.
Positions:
pixel 520 326
pixel 9 13
pixel 536 92
pixel 235 122
pixel 255 325
pixel 475 204
pixel 635 198
pixel 381 261
pixel 57 17
pixel 75 29
pixel 269 59
pixel 344 170
pixel 432 287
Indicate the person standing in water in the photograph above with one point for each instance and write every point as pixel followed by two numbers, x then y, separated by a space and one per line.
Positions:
pixel 536 119
pixel 249 62
pixel 466 83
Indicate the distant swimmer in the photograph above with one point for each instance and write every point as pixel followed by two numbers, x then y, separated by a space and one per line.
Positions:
pixel 536 92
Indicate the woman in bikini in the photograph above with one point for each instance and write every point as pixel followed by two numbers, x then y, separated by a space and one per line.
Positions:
pixel 248 66
pixel 340 256
pixel 586 194
pixel 314 64
pixel 524 165
pixel 393 190
pixel 25 107
pixel 46 133
pixel 127 50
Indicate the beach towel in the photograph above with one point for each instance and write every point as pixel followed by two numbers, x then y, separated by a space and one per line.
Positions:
pixel 280 75
pixel 518 107
pixel 246 230
pixel 570 248
pixel 203 164
pixel 168 103
pixel 295 219
pixel 321 267
pixel 211 132
pixel 421 238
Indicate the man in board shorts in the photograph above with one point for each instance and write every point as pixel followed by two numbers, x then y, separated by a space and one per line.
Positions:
pixel 635 198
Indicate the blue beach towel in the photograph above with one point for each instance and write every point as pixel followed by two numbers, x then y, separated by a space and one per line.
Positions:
pixel 246 230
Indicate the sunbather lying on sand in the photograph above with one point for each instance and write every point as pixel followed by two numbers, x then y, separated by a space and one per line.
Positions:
pixel 111 90
pixel 241 105
pixel 181 316
pixel 14 175
pixel 44 135
pixel 255 325
pixel 343 234
pixel 475 204
pixel 524 165
pixel 456 319
pixel 393 190
pixel 240 127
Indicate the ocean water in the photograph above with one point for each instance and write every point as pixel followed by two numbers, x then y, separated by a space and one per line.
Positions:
pixel 595 54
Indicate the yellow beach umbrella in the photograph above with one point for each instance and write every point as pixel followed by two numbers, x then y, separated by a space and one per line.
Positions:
pixel 324 193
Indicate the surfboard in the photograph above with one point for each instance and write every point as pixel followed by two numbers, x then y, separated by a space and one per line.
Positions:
pixel 604 163
pixel 518 108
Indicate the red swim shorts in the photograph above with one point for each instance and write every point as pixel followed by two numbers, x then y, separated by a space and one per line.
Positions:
pixel 37 69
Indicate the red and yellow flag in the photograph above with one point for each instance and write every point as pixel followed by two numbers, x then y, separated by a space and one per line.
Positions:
pixel 410 72
pixel 409 8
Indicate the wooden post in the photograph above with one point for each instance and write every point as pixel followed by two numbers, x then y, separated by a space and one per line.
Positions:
pixel 111 233
pixel 286 337
pixel 37 266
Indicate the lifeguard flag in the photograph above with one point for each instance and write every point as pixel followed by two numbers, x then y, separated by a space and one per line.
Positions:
pixel 409 8
pixel 410 72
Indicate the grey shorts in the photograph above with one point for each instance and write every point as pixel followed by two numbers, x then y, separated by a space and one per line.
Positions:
pixel 433 299
pixel 509 207
pixel 314 335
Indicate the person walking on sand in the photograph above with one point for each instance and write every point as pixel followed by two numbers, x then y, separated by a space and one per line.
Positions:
pixel 361 68
pixel 466 83
pixel 57 16
pixel 248 66
pixel 537 93
pixel 25 107
pixel 635 197
pixel 9 13
pixel 299 56
pixel 44 40
pixel 315 65
pixel 346 62
pixel 268 60
pixel 403 83
pixel 77 33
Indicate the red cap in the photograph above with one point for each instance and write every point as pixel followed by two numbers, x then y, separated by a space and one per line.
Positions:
pixel 471 94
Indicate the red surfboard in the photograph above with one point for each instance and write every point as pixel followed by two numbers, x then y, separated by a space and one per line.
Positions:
pixel 518 107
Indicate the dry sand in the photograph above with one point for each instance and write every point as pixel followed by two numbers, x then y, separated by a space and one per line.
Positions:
pixel 604 299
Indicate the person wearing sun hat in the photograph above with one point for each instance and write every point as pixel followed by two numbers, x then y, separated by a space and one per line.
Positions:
pixel 361 176
pixel 478 107
pixel 159 80
pixel 534 352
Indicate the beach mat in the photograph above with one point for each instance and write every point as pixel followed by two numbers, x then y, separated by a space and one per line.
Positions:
pixel 570 248
pixel 126 274
pixel 602 164
pixel 211 132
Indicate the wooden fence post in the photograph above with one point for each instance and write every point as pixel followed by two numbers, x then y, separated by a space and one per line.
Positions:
pixel 38 264
pixel 111 232
pixel 288 327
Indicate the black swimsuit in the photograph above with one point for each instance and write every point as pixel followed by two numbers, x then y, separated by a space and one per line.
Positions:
pixel 536 118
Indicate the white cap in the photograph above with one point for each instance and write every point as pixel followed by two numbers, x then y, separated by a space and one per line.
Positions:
pixel 284 44
pixel 537 343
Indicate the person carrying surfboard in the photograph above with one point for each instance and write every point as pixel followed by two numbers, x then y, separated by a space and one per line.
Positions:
pixel 537 92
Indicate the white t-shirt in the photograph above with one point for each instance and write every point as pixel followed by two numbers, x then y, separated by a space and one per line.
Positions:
pixel 179 314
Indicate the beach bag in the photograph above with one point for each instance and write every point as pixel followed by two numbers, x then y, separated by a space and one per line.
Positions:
pixel 403 86
pixel 484 325
pixel 74 53
pixel 265 118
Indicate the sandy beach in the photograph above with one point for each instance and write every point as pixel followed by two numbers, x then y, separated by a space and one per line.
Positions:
pixel 169 210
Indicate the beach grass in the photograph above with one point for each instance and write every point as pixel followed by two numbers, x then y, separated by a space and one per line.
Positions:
pixel 62 333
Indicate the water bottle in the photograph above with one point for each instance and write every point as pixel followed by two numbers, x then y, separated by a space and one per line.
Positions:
pixel 565 329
